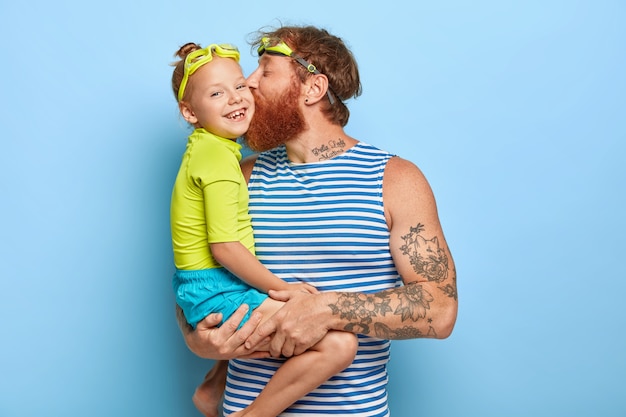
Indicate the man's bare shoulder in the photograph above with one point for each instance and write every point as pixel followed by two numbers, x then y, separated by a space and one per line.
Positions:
pixel 402 171
pixel 405 190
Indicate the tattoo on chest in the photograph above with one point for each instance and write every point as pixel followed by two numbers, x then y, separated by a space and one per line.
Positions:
pixel 332 149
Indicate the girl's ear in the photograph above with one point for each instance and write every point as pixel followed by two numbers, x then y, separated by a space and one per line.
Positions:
pixel 187 113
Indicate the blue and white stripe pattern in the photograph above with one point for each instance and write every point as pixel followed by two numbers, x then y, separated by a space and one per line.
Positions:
pixel 323 223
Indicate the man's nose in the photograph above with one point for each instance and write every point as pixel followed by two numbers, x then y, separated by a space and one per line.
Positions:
pixel 253 79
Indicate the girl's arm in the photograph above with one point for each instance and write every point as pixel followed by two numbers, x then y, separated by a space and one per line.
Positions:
pixel 241 262
pixel 233 255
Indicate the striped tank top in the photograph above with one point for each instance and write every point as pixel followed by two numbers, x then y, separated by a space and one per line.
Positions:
pixel 323 223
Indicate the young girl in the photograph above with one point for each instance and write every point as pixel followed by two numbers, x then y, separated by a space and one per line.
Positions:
pixel 212 238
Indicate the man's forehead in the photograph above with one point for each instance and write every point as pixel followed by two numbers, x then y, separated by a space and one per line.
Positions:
pixel 274 61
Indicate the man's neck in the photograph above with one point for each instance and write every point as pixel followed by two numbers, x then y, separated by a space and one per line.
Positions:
pixel 319 145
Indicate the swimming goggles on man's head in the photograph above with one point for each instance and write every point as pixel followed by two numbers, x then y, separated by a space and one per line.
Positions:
pixel 198 58
pixel 278 47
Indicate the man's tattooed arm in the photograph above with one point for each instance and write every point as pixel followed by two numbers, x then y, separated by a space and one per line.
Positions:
pixel 429 260
pixel 406 312
pixel 364 312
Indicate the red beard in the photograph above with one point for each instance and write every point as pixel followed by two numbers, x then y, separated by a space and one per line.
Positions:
pixel 276 121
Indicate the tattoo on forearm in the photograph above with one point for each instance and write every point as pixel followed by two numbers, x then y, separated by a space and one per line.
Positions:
pixel 334 148
pixel 407 332
pixel 362 311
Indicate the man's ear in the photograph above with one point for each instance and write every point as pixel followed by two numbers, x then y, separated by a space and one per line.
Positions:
pixel 187 113
pixel 317 85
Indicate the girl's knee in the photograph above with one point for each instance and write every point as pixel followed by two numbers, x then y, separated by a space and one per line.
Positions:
pixel 343 346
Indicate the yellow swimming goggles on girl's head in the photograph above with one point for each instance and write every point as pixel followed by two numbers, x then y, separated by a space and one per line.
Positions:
pixel 198 58
pixel 278 47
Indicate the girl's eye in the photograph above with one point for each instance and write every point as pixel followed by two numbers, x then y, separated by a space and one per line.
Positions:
pixel 215 94
pixel 242 86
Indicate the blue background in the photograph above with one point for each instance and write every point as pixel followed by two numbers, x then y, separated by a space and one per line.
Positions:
pixel 514 110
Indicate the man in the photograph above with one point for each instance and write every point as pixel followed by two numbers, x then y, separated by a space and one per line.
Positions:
pixel 359 224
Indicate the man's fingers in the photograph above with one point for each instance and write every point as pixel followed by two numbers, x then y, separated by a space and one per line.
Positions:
pixel 288 348
pixel 262 332
pixel 233 321
pixel 299 350
pixel 249 327
pixel 259 354
pixel 210 321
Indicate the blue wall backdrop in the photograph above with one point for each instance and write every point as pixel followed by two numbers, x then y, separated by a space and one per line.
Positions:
pixel 514 110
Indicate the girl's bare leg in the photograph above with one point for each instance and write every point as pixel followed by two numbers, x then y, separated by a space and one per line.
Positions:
pixel 301 374
pixel 209 393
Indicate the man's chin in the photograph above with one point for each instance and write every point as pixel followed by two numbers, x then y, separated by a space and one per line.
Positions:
pixel 263 136
pixel 275 122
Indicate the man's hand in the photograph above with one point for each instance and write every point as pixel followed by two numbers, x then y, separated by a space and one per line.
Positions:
pixel 297 326
pixel 225 342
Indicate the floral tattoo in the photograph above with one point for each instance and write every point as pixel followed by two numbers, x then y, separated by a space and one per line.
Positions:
pixel 428 259
pixel 361 310
pixel 411 302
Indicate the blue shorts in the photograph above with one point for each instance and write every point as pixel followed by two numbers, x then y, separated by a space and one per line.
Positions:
pixel 202 292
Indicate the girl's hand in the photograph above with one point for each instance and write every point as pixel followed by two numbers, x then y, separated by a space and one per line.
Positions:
pixel 302 287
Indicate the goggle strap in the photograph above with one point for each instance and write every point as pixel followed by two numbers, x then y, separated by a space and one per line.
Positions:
pixel 313 70
pixel 306 64
pixel 283 49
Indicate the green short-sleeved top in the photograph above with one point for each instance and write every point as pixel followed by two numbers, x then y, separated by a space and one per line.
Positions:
pixel 209 201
